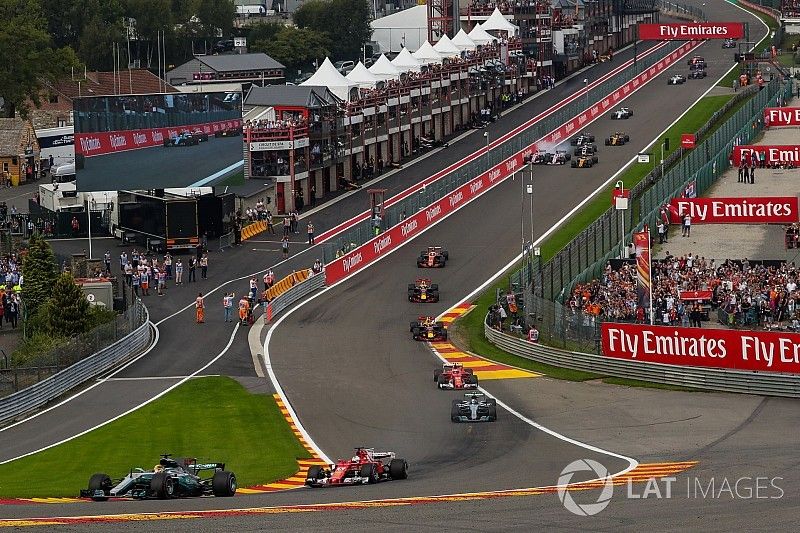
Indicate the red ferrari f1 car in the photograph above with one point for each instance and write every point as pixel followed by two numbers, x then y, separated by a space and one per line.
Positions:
pixel 433 257
pixel 366 466
pixel 455 376
pixel 427 329
pixel 423 291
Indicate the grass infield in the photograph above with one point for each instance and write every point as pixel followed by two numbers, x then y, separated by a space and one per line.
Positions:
pixel 211 418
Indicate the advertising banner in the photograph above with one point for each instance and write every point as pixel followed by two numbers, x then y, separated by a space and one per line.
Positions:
pixel 763 210
pixel 782 116
pixel 641 242
pixel 109 142
pixel 760 351
pixel 687 141
pixel 789 154
pixel 380 245
pixel 685 31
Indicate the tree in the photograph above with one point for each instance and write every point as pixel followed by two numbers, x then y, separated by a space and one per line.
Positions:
pixel 346 22
pixel 263 32
pixel 28 61
pixel 67 312
pixel 216 16
pixel 40 272
pixel 295 47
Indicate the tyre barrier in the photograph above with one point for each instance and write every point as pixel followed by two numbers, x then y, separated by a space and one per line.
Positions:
pixel 288 282
pixel 766 384
pixel 251 230
pixel 35 396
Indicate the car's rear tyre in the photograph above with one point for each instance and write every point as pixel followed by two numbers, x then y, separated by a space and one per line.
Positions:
pixel 594 160
pixel 413 326
pixel 492 412
pixel 314 473
pixel 445 255
pixel 223 484
pixel 100 482
pixel 608 142
pixel 435 287
pixel 441 380
pixel 370 472
pixel 434 296
pixel 454 412
pixel 163 486
pixel 398 469
pixel 436 374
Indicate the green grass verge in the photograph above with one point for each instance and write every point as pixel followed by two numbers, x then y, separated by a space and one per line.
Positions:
pixel 787 58
pixel 649 385
pixel 773 25
pixel 211 418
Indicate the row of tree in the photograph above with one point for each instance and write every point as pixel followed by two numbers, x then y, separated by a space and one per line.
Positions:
pixel 56 308
pixel 44 40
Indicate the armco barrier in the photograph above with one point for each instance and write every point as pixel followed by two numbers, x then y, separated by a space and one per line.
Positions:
pixel 770 384
pixel 378 246
pixel 35 396
pixel 317 281
pixel 288 282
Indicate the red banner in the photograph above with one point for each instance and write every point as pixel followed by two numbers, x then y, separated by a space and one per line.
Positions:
pixel 685 31
pixel 687 141
pixel 755 210
pixel 771 153
pixel 109 142
pixel 782 116
pixel 641 242
pixel 696 295
pixel 619 193
pixel 379 246
pixel 714 348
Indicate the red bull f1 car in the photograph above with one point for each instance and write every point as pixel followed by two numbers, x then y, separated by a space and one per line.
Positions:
pixel 433 257
pixel 366 466
pixel 423 291
pixel 475 407
pixel 455 376
pixel 427 329
pixel 170 478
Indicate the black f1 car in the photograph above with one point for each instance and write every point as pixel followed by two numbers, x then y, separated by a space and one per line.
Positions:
pixel 617 139
pixel 168 479
pixel 677 79
pixel 366 466
pixel 697 74
pixel 433 257
pixel 455 376
pixel 623 113
pixel 228 132
pixel 586 150
pixel 425 328
pixel 423 291
pixel 700 65
pixel 475 407
pixel 729 43
pixel 583 138
pixel 584 161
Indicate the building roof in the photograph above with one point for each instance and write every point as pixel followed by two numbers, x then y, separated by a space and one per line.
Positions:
pixel 235 62
pixel 406 62
pixel 139 81
pixel 288 95
pixel 363 77
pixel 498 22
pixel 445 47
pixel 462 41
pixel 10 134
pixel 327 76
pixel 383 69
pixel 426 54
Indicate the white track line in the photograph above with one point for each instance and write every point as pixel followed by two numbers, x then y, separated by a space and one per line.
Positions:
pixel 132 409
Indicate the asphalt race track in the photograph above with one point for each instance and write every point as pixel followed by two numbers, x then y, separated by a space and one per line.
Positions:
pixel 159 167
pixel 350 369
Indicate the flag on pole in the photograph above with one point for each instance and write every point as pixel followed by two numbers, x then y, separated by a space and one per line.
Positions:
pixel 641 242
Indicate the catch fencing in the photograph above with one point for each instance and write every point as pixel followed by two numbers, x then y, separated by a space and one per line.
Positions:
pixel 86 368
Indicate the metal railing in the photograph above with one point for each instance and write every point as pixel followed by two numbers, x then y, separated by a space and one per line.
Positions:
pixel 50 388
pixel 362 232
pixel 763 383
pixel 315 282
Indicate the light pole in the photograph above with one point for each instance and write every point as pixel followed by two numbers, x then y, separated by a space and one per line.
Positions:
pixel 89 222
pixel 586 90
pixel 488 161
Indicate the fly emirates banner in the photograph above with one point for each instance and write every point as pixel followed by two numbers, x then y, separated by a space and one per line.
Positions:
pixel 714 348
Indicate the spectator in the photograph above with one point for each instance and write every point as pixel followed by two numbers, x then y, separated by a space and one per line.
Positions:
pixel 285 247
pixel 533 335
pixel 199 306
pixel 310 230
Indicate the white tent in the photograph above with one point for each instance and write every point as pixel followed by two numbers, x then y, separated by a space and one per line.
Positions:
pixel 408 28
pixel 479 35
pixel 446 47
pixel 427 55
pixel 328 76
pixel 463 42
pixel 405 62
pixel 497 22
pixel 384 70
pixel 363 77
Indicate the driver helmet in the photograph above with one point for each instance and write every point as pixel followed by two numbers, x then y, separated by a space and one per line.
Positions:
pixel 158 468
pixel 355 459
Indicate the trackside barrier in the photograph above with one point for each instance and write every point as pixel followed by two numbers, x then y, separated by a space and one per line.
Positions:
pixel 349 263
pixel 36 395
pixel 288 282
pixel 767 384
pixel 251 230
pixel 298 291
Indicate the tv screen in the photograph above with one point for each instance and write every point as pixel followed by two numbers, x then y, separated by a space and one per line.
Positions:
pixel 156 141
